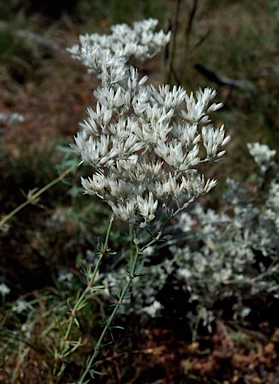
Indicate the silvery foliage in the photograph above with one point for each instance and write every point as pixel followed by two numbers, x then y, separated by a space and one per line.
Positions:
pixel 231 256
pixel 143 143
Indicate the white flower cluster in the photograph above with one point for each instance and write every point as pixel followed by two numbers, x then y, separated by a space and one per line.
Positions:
pixel 12 118
pixel 141 153
pixel 141 41
pixel 142 299
pixel 262 155
pixel 4 289
pixel 238 259
pixel 20 306
pixel 229 258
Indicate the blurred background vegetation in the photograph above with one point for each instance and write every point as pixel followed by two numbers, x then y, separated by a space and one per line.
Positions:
pixel 232 46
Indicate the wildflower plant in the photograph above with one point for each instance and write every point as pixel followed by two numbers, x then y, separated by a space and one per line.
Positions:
pixel 144 146
pixel 219 263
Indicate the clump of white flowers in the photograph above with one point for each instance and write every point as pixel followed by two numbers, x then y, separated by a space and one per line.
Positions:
pixel 144 144
pixel 262 155
pixel 11 118
pixel 4 289
pixel 237 261
pixel 217 263
pixel 140 41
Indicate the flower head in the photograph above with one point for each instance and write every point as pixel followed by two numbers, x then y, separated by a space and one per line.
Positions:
pixel 141 153
pixel 262 155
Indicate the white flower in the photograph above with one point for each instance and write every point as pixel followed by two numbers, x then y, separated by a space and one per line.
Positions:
pixel 196 185
pixel 213 139
pixel 147 206
pixel 20 306
pixel 65 276
pixel 152 309
pixel 183 273
pixel 126 210
pixel 140 153
pixel 187 134
pixel 4 289
pixel 95 186
pixel 12 119
pixel 198 108
pixel 171 187
pixel 148 251
pixel 108 282
pixel 139 41
pixel 26 328
pixel 262 155
pixel 167 97
pixel 186 222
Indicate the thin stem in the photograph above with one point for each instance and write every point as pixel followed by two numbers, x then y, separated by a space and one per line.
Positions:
pixel 64 346
pixel 31 199
pixel 173 49
pixel 161 232
pixel 190 22
pixel 132 275
pixel 187 37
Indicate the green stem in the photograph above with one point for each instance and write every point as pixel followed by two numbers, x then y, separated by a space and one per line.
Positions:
pixel 33 198
pixel 132 275
pixel 64 346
